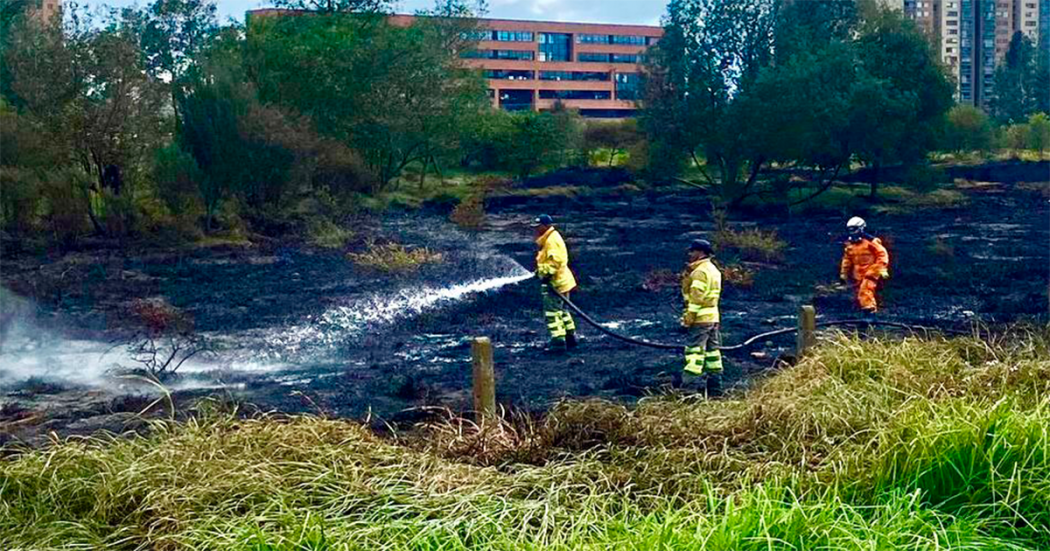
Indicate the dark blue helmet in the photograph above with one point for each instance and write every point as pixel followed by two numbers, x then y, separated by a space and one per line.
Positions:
pixel 702 245
pixel 542 220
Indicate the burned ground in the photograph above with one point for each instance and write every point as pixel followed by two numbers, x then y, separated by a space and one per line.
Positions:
pixel 292 315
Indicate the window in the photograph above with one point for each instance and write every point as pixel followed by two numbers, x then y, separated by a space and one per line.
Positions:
pixel 953 14
pixel 953 31
pixel 555 47
pixel 512 54
pixel 623 58
pixel 574 75
pixel 953 23
pixel 509 75
pixel 514 36
pixel 592 39
pixel 476 36
pixel 627 86
pixel 575 94
pixel 591 57
pixel 629 40
pixel 1029 23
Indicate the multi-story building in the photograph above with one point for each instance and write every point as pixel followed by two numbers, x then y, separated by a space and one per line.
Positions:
pixel 532 65
pixel 973 37
pixel 589 67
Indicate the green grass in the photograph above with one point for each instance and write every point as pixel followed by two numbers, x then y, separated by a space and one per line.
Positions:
pixel 868 445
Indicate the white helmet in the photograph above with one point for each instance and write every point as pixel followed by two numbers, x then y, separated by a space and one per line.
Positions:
pixel 856 224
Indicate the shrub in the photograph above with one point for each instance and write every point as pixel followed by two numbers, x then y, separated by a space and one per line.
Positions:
pixel 166 339
pixel 394 258
pixel 20 199
pixel 658 280
pixel 327 235
pixel 751 244
pixel 65 209
pixel 738 275
pixel 469 214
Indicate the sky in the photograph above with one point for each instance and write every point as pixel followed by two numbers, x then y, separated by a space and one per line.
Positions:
pixel 637 12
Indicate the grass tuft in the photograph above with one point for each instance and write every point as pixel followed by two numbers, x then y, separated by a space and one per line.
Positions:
pixel 394 258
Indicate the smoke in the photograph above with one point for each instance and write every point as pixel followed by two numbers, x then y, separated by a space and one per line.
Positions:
pixel 30 350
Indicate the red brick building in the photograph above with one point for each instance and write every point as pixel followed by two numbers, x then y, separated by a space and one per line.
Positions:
pixel 590 67
pixel 533 64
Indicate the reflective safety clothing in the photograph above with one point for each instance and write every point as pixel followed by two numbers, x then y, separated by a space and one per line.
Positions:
pixel 552 261
pixel 702 289
pixel 865 262
pixel 559 320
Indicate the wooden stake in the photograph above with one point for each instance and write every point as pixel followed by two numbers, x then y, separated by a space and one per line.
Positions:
pixel 807 330
pixel 484 378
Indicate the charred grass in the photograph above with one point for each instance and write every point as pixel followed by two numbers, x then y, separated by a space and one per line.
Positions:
pixel 879 444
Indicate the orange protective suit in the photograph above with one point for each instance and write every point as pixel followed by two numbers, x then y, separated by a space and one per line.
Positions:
pixel 865 262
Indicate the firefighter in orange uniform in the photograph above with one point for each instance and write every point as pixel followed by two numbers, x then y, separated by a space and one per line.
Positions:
pixel 865 261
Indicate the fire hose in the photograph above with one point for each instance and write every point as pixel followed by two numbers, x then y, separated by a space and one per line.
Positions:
pixel 760 337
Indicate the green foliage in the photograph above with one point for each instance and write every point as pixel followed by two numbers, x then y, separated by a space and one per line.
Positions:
pixel 1022 82
pixel 711 53
pixel 394 258
pixel 1039 132
pixel 397 94
pixel 968 129
pixel 328 235
pixel 847 84
pixel 912 444
pixel 606 141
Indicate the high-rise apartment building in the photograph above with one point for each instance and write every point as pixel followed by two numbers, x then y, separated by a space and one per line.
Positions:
pixel 973 36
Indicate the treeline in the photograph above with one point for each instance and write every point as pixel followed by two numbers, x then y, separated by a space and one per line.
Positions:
pixel 737 87
pixel 161 120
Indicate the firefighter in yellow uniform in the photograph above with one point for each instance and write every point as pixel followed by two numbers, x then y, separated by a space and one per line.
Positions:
pixel 552 267
pixel 701 289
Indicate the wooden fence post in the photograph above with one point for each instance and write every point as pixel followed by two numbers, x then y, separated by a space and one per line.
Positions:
pixel 807 330
pixel 484 378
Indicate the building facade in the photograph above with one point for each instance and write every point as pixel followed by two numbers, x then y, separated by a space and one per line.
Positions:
pixel 44 10
pixel 531 65
pixel 973 36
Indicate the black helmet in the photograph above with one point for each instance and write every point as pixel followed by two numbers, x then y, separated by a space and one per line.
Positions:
pixel 702 245
pixel 542 220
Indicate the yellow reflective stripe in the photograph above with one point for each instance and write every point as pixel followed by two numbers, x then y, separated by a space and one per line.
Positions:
pixel 695 308
pixel 709 311
pixel 697 284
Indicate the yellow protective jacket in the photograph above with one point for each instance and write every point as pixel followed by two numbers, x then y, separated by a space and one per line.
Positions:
pixel 552 261
pixel 865 259
pixel 701 289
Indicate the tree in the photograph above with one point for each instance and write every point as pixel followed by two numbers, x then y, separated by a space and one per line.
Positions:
pixel 901 96
pixel 86 87
pixel 173 35
pixel 1039 132
pixel 614 136
pixel 397 94
pixel 534 139
pixel 1018 90
pixel 967 129
pixel 711 54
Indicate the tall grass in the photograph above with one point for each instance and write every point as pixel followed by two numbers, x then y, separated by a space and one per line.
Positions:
pixel 910 444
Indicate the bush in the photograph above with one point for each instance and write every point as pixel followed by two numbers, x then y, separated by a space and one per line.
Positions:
pixel 738 275
pixel 469 214
pixel 65 206
pixel 394 258
pixel 751 244
pixel 20 199
pixel 328 235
